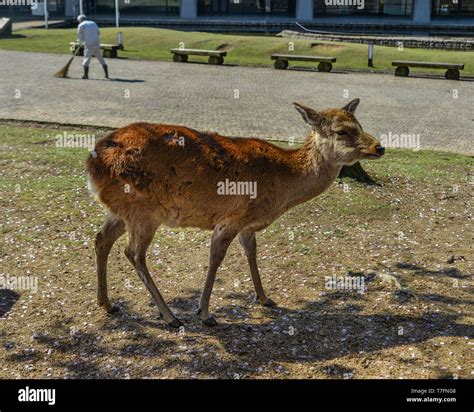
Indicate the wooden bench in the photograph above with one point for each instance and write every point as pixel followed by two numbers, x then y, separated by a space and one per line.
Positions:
pixel 109 50
pixel 281 61
pixel 215 56
pixel 452 71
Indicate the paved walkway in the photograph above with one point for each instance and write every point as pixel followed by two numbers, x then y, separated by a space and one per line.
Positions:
pixel 34 24
pixel 204 97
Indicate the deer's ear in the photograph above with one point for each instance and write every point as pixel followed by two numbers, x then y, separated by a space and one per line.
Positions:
pixel 352 106
pixel 310 116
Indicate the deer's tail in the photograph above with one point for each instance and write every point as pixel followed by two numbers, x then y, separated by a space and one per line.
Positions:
pixel 117 160
pixel 101 163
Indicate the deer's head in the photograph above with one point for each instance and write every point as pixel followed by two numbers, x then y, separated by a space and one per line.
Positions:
pixel 340 136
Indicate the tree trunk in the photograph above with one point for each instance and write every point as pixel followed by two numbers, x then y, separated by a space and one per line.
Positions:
pixel 357 173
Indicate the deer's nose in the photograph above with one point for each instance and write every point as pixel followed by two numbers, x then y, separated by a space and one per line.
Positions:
pixel 380 150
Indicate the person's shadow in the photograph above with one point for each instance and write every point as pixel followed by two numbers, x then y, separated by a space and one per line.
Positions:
pixel 111 79
pixel 116 79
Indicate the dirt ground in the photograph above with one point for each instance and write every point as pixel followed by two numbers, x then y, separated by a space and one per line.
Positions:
pixel 414 228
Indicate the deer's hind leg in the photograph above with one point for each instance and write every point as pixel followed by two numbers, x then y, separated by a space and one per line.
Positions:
pixel 113 228
pixel 141 234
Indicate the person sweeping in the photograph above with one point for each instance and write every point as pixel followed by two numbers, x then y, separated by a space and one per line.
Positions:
pixel 88 34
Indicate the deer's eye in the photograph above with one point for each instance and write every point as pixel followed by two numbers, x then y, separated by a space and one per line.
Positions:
pixel 341 132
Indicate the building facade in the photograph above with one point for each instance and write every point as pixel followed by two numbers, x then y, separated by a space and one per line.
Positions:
pixel 415 11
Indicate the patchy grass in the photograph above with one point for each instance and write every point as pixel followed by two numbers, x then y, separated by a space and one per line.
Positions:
pixel 408 227
pixel 154 44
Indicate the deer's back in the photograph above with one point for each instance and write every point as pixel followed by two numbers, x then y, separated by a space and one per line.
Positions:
pixel 175 172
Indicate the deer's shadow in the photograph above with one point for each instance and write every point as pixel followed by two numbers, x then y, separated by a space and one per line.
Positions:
pixel 319 331
pixel 250 337
pixel 7 300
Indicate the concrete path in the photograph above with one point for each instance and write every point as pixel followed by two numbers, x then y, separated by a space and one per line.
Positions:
pixel 35 24
pixel 233 100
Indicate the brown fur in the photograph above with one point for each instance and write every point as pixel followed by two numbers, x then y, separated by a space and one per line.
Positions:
pixel 148 175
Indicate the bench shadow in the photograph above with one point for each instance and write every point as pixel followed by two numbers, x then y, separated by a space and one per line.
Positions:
pixel 336 70
pixel 436 77
pixel 315 70
pixel 14 36
pixel 207 64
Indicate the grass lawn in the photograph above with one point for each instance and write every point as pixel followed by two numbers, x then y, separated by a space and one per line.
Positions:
pixel 154 44
pixel 408 226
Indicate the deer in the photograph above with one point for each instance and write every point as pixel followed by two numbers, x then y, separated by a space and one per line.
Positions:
pixel 147 175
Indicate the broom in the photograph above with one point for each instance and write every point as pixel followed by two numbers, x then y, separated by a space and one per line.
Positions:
pixel 62 74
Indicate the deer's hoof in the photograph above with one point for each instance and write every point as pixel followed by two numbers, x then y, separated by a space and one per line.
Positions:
pixel 210 322
pixel 110 308
pixel 175 323
pixel 270 304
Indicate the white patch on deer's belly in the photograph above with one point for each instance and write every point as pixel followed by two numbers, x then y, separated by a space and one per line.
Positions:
pixel 91 186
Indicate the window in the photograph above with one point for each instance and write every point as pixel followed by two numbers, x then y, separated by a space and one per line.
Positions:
pixel 449 8
pixel 55 8
pixel 253 7
pixel 365 7
pixel 129 7
pixel 284 7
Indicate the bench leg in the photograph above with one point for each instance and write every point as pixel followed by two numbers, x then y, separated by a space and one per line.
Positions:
pixel 324 67
pixel 402 71
pixel 452 74
pixel 180 58
pixel 216 60
pixel 281 64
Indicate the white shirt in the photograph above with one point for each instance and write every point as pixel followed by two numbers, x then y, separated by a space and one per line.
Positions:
pixel 88 33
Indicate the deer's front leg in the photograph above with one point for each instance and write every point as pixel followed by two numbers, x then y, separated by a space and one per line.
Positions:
pixel 221 239
pixel 249 243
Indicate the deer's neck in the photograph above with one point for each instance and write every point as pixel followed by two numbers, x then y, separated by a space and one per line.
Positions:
pixel 316 171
